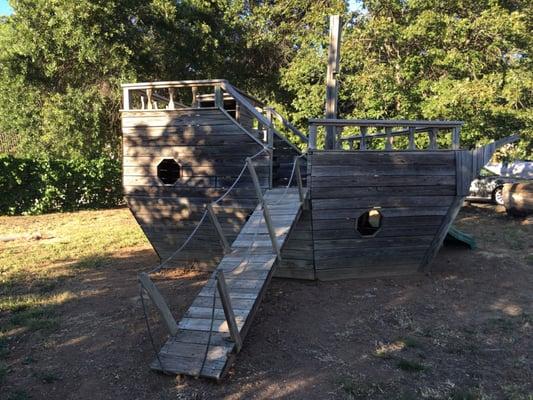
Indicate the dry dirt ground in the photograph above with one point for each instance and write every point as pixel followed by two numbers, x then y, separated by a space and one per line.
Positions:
pixel 465 332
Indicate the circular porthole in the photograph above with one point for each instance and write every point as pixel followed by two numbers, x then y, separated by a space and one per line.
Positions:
pixel 168 171
pixel 369 223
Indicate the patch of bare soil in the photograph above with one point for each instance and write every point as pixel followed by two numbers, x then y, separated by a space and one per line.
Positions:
pixel 465 332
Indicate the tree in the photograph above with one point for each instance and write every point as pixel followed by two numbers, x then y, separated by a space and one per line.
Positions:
pixel 429 60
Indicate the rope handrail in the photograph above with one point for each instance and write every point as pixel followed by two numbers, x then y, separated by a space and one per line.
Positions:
pixel 203 217
pixel 216 277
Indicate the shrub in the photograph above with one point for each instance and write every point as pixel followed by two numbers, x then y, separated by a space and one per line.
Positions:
pixel 36 186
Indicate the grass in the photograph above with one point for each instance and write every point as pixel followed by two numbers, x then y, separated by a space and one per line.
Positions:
pixel 3 371
pixel 18 395
pixel 410 365
pixel 33 272
pixel 47 376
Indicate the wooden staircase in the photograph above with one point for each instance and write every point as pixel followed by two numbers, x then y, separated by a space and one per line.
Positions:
pixel 204 346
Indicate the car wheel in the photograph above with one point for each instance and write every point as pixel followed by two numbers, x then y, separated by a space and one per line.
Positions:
pixel 497 196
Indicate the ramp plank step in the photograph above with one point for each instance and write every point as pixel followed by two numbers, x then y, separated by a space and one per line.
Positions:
pixel 247 270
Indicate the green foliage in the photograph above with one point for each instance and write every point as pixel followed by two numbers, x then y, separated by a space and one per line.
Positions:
pixel 42 185
pixel 436 59
pixel 62 62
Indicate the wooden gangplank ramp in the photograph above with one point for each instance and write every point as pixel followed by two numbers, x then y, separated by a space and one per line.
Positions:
pixel 247 269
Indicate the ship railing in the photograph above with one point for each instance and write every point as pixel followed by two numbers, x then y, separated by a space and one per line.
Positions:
pixel 249 112
pixel 364 135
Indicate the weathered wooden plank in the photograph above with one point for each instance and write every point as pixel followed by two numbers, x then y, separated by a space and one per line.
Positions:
pixel 371 272
pixel 412 170
pixel 373 243
pixel 383 232
pixel 386 212
pixel 204 324
pixel 383 180
pixel 342 192
pixel 196 155
pixel 395 159
pixel 396 222
pixel 380 201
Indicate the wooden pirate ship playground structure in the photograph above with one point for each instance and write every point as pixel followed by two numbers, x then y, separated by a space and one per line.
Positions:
pixel 217 179
pixel 218 183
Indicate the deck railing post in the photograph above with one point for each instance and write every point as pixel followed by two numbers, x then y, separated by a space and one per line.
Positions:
pixel 299 179
pixel 362 144
pixel 171 98
pixel 219 98
pixel 159 302
pixel 194 95
pixel 126 98
pixel 270 131
pixel 311 144
pixel 223 241
pixel 266 212
pixel 389 138
pixel 149 104
pixel 433 138
pixel 412 137
pixel 456 133
pixel 228 309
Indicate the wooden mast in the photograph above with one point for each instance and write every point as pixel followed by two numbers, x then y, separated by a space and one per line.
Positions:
pixel 331 79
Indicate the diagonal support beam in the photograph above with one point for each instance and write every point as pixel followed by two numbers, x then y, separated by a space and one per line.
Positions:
pixel 228 309
pixel 266 212
pixel 159 302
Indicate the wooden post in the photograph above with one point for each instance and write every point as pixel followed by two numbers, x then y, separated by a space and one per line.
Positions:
pixel 456 138
pixel 338 135
pixel 266 213
pixel 149 104
pixel 433 138
pixel 362 145
pixel 159 302
pixel 171 98
pixel 269 130
pixel 299 178
pixel 126 98
pixel 388 139
pixel 194 93
pixel 331 78
pixel 412 137
pixel 219 98
pixel 223 241
pixel 311 144
pixel 228 309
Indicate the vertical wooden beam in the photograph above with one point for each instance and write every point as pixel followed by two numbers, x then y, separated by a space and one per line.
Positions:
pixel 312 137
pixel 388 139
pixel 194 93
pixel 219 98
pixel 149 104
pixel 299 178
pixel 362 144
pixel 456 138
pixel 338 135
pixel 171 98
pixel 266 212
pixel 412 137
pixel 159 302
pixel 228 309
pixel 269 130
pixel 126 99
pixel 433 138
pixel 331 78
pixel 223 241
